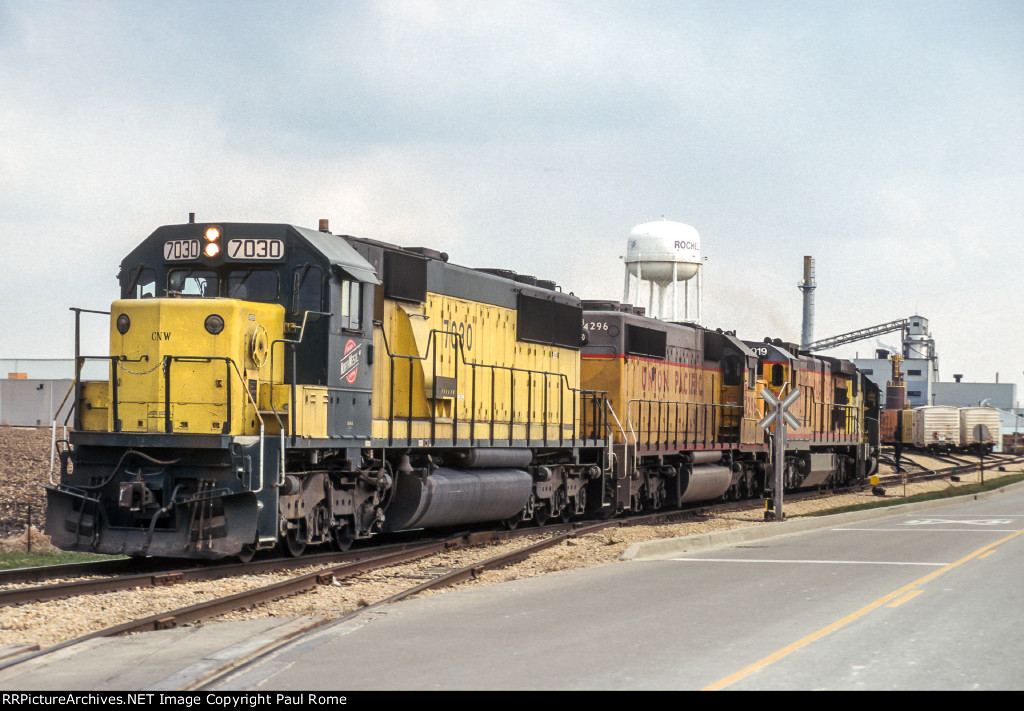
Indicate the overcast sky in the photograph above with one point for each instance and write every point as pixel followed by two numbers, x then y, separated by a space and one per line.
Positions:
pixel 886 139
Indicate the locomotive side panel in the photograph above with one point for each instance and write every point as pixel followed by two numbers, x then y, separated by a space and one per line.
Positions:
pixel 471 358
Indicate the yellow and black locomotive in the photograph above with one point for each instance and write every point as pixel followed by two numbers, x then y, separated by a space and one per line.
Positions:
pixel 271 385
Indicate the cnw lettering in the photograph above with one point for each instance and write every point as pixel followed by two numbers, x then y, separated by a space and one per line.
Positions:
pixel 161 335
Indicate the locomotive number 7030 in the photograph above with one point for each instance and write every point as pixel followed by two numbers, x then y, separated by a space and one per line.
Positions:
pixel 255 249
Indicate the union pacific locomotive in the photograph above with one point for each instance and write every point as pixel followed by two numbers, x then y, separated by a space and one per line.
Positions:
pixel 271 385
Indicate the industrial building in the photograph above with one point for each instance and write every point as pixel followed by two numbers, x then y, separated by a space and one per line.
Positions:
pixel 917 364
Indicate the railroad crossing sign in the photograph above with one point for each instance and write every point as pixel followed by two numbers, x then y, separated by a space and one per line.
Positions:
pixel 779 407
pixel 780 417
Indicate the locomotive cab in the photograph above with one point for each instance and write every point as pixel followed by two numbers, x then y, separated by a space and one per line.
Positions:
pixel 243 345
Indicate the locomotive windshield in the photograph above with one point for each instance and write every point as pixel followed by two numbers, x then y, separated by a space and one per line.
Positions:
pixel 141 283
pixel 253 285
pixel 192 282
pixel 248 284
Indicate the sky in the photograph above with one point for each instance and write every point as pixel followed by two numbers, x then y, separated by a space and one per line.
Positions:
pixel 885 139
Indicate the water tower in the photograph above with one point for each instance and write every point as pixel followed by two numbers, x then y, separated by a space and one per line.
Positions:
pixel 662 254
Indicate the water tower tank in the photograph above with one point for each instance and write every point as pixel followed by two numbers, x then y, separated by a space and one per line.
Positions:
pixel 664 251
pixel 663 254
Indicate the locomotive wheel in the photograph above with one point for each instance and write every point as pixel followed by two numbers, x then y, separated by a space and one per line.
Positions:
pixel 342 537
pixel 247 553
pixel 754 487
pixel 291 543
pixel 561 500
pixel 512 523
pixel 540 514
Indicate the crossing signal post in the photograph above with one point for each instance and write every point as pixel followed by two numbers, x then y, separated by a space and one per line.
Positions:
pixel 779 417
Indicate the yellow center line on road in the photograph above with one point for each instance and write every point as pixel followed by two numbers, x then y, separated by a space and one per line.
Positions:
pixel 800 643
pixel 909 596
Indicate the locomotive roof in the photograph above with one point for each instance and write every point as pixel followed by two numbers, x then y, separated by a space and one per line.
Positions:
pixel 334 250
pixel 339 253
pixel 495 286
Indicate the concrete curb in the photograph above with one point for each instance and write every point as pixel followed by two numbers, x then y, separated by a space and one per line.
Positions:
pixel 667 547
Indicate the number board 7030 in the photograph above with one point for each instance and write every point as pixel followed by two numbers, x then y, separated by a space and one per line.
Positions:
pixel 252 248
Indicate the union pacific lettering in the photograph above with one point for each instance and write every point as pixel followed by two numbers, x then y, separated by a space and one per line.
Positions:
pixel 682 380
pixel 656 378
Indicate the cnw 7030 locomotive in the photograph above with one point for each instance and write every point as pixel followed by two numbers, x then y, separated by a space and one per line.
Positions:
pixel 271 385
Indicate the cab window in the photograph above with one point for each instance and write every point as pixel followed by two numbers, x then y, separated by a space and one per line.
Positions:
pixel 141 283
pixel 194 283
pixel 732 371
pixel 351 305
pixel 307 293
pixel 778 375
pixel 253 285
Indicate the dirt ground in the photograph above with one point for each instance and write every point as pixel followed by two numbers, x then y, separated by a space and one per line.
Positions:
pixel 24 470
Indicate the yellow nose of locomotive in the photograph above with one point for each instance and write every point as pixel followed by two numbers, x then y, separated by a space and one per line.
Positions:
pixel 191 365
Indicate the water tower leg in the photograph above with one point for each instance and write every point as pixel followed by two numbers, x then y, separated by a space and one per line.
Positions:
pixel 700 274
pixel 675 291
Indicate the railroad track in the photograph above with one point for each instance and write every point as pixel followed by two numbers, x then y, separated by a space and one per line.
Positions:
pixel 958 466
pixel 160 576
pixel 328 575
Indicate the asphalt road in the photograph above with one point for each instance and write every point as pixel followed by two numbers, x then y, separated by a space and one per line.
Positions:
pixel 926 600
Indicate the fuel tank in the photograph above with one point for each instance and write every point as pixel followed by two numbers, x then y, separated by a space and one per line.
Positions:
pixel 452 497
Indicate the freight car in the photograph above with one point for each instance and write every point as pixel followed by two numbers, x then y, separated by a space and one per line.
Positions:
pixel 271 385
pixel 941 428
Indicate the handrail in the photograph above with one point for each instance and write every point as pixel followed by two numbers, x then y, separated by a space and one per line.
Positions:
pixel 459 345
pixel 698 408
pixel 624 440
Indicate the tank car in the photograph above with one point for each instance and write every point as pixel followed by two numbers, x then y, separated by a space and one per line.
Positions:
pixel 275 385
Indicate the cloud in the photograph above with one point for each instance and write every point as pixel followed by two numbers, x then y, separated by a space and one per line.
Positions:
pixel 884 139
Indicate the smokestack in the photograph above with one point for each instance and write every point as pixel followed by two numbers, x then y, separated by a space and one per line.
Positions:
pixel 807 286
pixel 957 376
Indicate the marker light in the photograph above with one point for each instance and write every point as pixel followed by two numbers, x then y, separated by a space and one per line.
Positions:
pixel 212 249
pixel 123 324
pixel 212 234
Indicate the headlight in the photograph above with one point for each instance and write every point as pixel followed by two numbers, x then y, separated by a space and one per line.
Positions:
pixel 214 324
pixel 123 324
